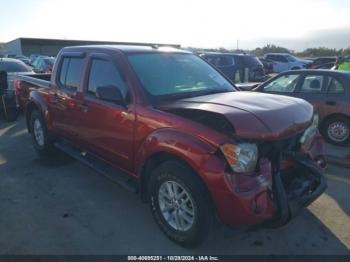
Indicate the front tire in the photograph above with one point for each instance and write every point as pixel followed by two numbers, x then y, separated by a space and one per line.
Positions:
pixel 42 140
pixel 336 130
pixel 180 204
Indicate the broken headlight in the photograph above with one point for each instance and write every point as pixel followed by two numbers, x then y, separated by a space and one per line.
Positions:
pixel 311 131
pixel 242 158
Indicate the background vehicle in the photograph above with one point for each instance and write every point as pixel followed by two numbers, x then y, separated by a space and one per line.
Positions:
pixel 43 64
pixel 32 58
pixel 166 124
pixel 284 62
pixel 268 65
pixel 328 66
pixel 24 59
pixel 327 90
pixel 8 106
pixel 13 68
pixel 229 64
pixel 322 62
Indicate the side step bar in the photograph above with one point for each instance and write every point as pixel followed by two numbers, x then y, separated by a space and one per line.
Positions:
pixel 99 166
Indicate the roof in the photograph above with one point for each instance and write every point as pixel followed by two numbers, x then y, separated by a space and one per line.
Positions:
pixel 70 42
pixel 322 71
pixel 224 54
pixel 130 48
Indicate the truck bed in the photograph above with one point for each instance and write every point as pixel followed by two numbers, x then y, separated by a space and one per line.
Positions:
pixel 27 83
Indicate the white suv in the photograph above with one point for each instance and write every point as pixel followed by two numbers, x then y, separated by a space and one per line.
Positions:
pixel 283 62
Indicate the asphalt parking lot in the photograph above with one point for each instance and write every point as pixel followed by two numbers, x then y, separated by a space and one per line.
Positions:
pixel 59 206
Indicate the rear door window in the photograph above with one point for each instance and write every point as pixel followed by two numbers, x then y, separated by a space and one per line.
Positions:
pixel 335 86
pixel 283 84
pixel 71 72
pixel 226 61
pixel 281 58
pixel 312 84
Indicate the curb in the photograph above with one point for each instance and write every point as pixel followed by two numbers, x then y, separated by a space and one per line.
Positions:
pixel 338 161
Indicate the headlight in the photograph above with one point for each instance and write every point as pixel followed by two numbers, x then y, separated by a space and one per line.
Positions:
pixel 311 131
pixel 242 157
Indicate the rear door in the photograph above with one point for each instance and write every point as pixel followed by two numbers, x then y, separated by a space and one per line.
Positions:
pixel 107 128
pixel 312 88
pixel 64 96
pixel 280 63
pixel 227 65
pixel 336 99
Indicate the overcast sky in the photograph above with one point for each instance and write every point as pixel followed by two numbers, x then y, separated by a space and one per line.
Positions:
pixel 295 24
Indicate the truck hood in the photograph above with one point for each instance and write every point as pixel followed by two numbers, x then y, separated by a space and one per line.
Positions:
pixel 250 115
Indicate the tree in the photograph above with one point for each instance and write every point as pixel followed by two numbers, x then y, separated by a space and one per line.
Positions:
pixel 260 51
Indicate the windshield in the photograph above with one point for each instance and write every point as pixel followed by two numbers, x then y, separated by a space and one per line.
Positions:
pixel 252 61
pixel 169 75
pixel 11 66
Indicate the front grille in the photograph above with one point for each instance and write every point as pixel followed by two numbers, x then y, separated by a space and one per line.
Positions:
pixel 269 148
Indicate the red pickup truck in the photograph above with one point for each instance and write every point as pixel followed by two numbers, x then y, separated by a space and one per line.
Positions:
pixel 166 124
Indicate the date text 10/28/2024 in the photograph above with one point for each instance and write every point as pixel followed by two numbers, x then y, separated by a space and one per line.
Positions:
pixel 173 258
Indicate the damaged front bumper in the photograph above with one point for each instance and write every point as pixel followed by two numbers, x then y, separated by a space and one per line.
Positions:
pixel 288 178
pixel 295 188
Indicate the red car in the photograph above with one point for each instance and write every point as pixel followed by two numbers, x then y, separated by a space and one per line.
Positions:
pixel 166 124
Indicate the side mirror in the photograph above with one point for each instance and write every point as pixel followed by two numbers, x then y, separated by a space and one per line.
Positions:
pixel 110 93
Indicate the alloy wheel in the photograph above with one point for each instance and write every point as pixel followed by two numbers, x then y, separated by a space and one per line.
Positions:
pixel 176 206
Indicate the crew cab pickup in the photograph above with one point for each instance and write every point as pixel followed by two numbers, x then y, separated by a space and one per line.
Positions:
pixel 166 124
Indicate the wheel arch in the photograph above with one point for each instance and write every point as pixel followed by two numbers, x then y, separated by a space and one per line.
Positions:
pixel 37 102
pixel 160 147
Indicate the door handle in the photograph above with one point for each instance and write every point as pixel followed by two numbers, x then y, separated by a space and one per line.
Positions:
pixel 331 103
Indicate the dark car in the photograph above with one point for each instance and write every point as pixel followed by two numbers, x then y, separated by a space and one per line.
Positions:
pixel 229 64
pixel 43 64
pixel 13 68
pixel 321 62
pixel 327 90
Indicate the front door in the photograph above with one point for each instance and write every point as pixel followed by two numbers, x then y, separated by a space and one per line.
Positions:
pixel 312 89
pixel 107 128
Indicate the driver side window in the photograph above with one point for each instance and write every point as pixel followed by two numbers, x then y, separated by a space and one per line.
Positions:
pixel 283 84
pixel 105 73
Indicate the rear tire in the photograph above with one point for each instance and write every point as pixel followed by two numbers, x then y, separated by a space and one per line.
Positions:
pixel 42 140
pixel 180 204
pixel 336 130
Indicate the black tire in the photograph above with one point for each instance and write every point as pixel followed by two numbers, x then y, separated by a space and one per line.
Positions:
pixel 344 122
pixel 45 148
pixel 176 172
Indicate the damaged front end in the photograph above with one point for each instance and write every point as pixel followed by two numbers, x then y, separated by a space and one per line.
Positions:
pixel 296 170
pixel 294 187
pixel 287 176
